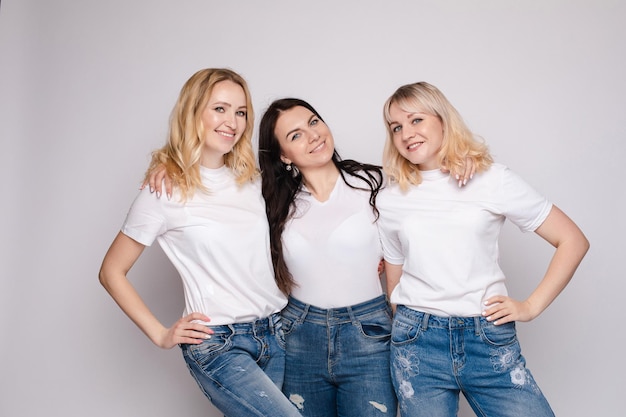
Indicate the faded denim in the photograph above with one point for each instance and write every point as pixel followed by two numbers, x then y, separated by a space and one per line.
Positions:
pixel 337 360
pixel 436 358
pixel 240 368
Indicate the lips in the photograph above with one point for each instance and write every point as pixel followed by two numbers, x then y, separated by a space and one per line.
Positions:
pixel 226 134
pixel 414 146
pixel 319 147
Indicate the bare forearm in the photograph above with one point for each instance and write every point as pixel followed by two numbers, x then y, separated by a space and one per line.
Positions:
pixel 559 273
pixel 571 246
pixel 117 262
pixel 127 298
pixel 392 278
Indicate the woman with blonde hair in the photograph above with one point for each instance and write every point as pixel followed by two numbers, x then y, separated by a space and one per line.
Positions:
pixel 454 326
pixel 214 231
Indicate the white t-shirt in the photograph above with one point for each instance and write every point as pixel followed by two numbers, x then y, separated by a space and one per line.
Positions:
pixel 332 248
pixel 446 237
pixel 218 242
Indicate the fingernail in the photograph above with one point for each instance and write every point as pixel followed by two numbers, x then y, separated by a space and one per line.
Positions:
pixel 457 176
pixel 151 189
pixel 169 196
pixel 465 181
pixel 158 194
pixel 207 336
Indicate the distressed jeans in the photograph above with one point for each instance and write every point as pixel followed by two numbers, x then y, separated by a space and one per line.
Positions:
pixel 433 359
pixel 337 360
pixel 240 368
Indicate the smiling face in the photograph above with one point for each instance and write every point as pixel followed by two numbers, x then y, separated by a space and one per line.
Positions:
pixel 305 140
pixel 224 120
pixel 417 136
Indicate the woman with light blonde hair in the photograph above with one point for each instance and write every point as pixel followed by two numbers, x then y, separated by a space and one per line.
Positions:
pixel 454 324
pixel 215 232
pixel 459 144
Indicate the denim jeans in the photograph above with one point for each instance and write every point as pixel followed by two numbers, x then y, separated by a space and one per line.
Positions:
pixel 337 360
pixel 433 359
pixel 241 367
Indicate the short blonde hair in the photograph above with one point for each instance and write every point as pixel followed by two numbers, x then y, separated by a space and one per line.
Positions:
pixel 181 154
pixel 459 143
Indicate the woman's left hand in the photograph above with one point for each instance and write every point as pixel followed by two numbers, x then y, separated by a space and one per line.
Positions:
pixel 469 169
pixel 501 309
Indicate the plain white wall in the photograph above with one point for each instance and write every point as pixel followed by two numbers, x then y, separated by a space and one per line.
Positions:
pixel 86 88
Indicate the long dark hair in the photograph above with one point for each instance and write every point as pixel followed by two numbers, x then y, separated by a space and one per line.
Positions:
pixel 280 186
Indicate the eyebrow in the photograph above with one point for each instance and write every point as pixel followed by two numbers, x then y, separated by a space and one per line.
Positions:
pixel 226 104
pixel 313 116
pixel 408 116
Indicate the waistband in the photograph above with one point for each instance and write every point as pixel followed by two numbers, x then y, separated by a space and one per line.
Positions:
pixel 426 320
pixel 259 326
pixel 339 315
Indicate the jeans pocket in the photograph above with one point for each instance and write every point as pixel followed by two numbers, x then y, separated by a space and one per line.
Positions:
pixel 501 335
pixel 403 333
pixel 206 351
pixel 280 334
pixel 376 326
pixel 289 322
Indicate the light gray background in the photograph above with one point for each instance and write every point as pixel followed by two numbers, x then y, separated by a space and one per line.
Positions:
pixel 86 88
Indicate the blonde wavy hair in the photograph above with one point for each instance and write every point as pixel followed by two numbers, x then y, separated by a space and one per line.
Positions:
pixel 459 143
pixel 181 154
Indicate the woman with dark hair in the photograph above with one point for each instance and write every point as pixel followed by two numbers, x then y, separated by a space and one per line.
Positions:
pixel 326 250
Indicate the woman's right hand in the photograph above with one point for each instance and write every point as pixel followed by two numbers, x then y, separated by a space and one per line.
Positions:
pixel 155 181
pixel 186 331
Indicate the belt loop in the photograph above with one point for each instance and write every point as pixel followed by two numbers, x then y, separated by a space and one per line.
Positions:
pixel 305 312
pixel 425 321
pixel 351 315
pixel 477 325
pixel 272 320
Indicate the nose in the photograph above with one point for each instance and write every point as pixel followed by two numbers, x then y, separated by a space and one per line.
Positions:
pixel 231 121
pixel 313 136
pixel 407 133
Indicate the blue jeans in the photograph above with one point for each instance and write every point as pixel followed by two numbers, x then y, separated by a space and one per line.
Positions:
pixel 433 359
pixel 241 367
pixel 337 361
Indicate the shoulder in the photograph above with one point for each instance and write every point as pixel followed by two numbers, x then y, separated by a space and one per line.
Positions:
pixel 495 173
pixel 502 173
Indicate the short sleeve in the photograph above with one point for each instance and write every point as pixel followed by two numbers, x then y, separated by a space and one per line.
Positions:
pixel 392 248
pixel 145 219
pixel 521 203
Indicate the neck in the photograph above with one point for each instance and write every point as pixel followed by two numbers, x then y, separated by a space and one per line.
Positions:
pixel 320 181
pixel 212 162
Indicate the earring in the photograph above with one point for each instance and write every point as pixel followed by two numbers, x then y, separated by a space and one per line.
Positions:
pixel 288 167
